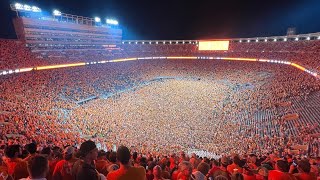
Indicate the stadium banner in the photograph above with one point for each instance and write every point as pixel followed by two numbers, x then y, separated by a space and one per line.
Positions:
pixel 213 45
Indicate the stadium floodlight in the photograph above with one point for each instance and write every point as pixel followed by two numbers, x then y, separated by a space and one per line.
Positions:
pixel 275 40
pixel 97 19
pixel 27 7
pixel 18 6
pixel 319 37
pixel 285 39
pixel 136 42
pixel 157 42
pixel 240 40
pixel 308 38
pixel 142 42
pixel 35 9
pixel 248 40
pixel 56 13
pixel 297 39
pixel 265 40
pixel 170 42
pixel 257 40
pixel 112 21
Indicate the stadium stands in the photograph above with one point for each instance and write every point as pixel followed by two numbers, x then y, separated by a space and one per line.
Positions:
pixel 227 119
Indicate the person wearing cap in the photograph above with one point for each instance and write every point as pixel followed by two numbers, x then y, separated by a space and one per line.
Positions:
pixel 126 171
pixel 63 169
pixel 84 169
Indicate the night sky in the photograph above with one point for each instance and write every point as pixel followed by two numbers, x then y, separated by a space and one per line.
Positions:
pixel 186 19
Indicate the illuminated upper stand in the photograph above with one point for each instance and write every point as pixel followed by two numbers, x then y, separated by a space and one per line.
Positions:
pixel 7 72
pixel 298 37
pixel 36 12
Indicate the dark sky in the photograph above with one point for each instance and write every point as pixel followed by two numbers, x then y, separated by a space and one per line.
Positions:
pixel 186 19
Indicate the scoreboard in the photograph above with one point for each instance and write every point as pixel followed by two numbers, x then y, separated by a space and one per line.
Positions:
pixel 213 45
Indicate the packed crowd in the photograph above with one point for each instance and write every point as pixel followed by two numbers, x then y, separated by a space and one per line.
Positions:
pixel 157 107
pixel 31 162
pixel 15 54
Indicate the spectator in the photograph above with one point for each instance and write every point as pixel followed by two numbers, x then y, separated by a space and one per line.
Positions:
pixel 38 167
pixel 84 168
pixel 126 171
pixel 17 168
pixel 304 171
pixel 63 169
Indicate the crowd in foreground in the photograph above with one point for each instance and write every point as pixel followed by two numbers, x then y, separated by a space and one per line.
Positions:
pixel 87 162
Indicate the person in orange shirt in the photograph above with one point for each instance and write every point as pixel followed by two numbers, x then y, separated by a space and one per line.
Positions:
pixel 126 171
pixel 185 169
pixel 281 171
pixel 4 175
pixel 304 168
pixel 17 168
pixel 235 166
pixel 63 169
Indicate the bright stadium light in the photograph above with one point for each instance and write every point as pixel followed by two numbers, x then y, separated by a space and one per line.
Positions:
pixel 297 39
pixel 18 6
pixel 56 13
pixel 97 19
pixel 285 39
pixel 35 9
pixel 308 38
pixel 319 37
pixel 27 7
pixel 257 40
pixel 248 40
pixel 112 21
pixel 265 40
pixel 240 40
pixel 275 40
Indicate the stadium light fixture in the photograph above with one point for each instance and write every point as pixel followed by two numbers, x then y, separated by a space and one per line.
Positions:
pixel 275 40
pixel 97 19
pixel 27 7
pixel 112 21
pixel 56 13
pixel 265 40
pixel 297 39
pixel 319 37
pixel 257 40
pixel 248 40
pixel 18 6
pixel 35 9
pixel 285 39
pixel 240 40
pixel 142 42
pixel 308 38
